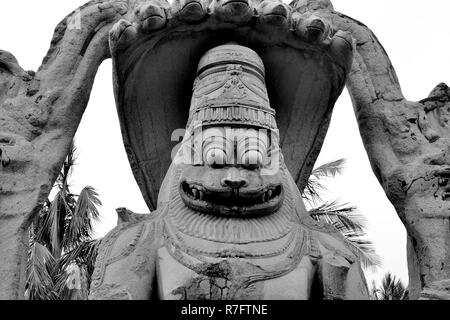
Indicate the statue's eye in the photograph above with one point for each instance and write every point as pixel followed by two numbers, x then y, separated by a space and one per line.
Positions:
pixel 216 151
pixel 252 159
pixel 215 157
pixel 252 149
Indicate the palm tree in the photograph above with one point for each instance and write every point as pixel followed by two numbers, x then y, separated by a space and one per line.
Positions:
pixel 315 187
pixel 343 217
pixel 391 288
pixel 61 251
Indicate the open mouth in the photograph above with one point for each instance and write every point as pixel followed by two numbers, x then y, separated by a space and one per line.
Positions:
pixel 278 12
pixel 236 3
pixel 232 202
pixel 316 29
pixel 152 16
pixel 121 33
pixel 277 15
pixel 316 26
pixel 277 19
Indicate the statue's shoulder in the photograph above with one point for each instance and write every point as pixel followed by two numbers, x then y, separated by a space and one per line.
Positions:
pixel 125 242
pixel 128 235
pixel 339 264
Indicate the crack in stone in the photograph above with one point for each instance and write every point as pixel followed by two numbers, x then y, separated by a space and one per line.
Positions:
pixel 417 179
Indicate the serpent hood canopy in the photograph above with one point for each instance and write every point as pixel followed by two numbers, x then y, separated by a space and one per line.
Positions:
pixel 155 66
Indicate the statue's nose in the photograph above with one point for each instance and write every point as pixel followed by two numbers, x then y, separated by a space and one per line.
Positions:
pixel 234 179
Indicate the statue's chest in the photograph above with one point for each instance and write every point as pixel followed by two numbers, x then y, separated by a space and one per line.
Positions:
pixel 232 279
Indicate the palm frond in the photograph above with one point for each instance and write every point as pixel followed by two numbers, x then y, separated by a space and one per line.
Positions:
pixel 392 288
pixel 76 267
pixel 329 169
pixel 79 227
pixel 365 250
pixel 49 230
pixel 85 253
pixel 53 225
pixel 37 230
pixel 342 216
pixel 351 225
pixel 61 253
pixel 66 171
pixel 40 269
pixel 313 191
pixel 314 187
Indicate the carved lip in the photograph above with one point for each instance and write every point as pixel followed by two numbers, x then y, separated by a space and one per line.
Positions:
pixel 236 2
pixel 316 25
pixel 123 31
pixel 153 16
pixel 276 14
pixel 314 28
pixel 278 18
pixel 231 202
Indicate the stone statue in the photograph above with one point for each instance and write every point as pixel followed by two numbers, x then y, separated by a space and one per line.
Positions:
pixel 230 222
pixel 305 59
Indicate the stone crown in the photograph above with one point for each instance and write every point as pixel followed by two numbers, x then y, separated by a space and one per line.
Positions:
pixel 230 89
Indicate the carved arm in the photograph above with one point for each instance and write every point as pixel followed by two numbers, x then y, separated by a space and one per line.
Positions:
pixel 408 144
pixel 39 115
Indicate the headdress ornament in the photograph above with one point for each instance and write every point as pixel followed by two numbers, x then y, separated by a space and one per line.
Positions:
pixel 230 89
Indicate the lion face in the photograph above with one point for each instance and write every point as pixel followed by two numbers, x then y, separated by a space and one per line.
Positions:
pixel 235 173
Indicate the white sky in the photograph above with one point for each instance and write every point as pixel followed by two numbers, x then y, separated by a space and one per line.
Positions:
pixel 415 34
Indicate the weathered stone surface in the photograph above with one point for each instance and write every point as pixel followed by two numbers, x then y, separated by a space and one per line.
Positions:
pixel 407 142
pixel 178 253
pixel 40 111
pixel 305 60
pixel 127 216
pixel 439 290
pixel 230 222
pixel 39 114
pixel 408 146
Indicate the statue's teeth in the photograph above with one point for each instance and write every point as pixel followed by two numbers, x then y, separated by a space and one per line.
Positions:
pixel 195 193
pixel 202 194
pixel 269 194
